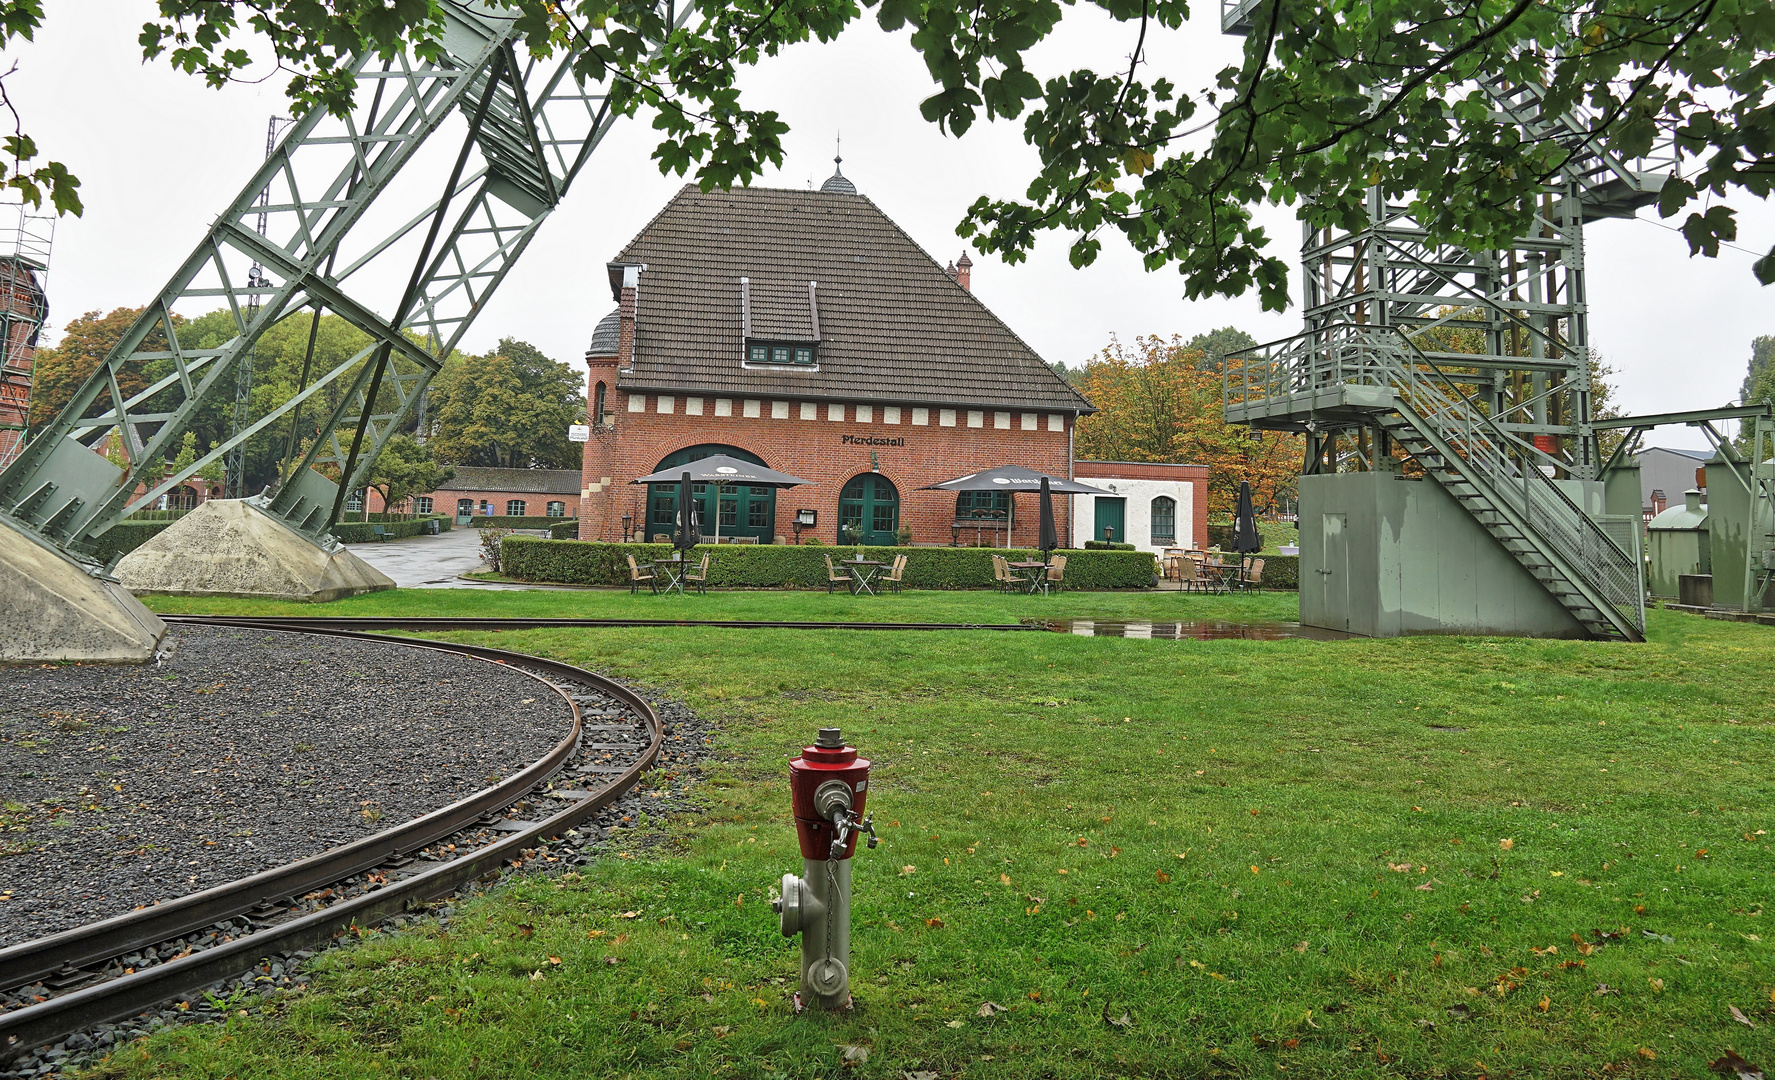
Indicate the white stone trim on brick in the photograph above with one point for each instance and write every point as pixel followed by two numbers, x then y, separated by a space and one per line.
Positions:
pixel 723 406
pixel 779 410
pixel 753 406
pixel 637 402
pixel 865 414
pixel 1029 421
pixel 835 411
pixel 1056 421
pixel 810 410
pixel 666 404
pixel 693 406
pixel 1001 421
pixel 921 416
pixel 890 414
pixel 946 417
pixel 976 418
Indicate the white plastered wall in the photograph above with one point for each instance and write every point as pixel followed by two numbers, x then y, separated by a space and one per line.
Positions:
pixel 1137 520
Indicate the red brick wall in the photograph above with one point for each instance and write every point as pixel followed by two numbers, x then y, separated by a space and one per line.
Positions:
pixel 444 502
pixel 815 451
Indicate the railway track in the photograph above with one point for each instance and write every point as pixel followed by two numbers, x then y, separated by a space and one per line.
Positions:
pixel 117 968
pixel 447 623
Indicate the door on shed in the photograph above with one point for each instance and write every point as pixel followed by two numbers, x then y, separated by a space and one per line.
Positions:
pixel 1111 512
pixel 1334 574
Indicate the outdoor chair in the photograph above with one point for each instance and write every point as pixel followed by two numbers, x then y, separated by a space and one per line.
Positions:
pixel 638 575
pixel 1174 563
pixel 1056 572
pixel 662 538
pixel 833 577
pixel 1189 579
pixel 896 575
pixel 1001 573
pixel 1253 578
pixel 700 576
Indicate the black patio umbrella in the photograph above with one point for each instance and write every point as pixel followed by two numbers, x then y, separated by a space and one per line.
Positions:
pixel 1014 478
pixel 688 534
pixel 1047 540
pixel 717 469
pixel 1246 539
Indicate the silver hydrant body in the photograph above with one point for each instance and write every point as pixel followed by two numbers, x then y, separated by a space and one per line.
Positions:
pixel 828 784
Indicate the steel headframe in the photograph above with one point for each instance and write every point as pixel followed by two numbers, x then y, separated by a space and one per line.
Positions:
pixel 531 126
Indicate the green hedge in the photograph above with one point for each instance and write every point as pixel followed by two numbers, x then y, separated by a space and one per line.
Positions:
pixel 566 529
pixel 1106 545
pixel 482 521
pixel 776 566
pixel 362 532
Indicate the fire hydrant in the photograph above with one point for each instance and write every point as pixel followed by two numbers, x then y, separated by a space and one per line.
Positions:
pixel 829 785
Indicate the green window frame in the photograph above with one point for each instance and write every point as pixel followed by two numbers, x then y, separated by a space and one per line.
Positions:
pixel 779 354
pixel 758 354
pixel 1164 520
pixel 804 355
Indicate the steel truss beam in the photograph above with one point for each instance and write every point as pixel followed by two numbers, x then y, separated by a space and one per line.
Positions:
pixel 529 128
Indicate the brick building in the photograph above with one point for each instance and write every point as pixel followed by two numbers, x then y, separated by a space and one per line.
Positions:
pixel 805 331
pixel 495 493
pixel 23 308
pixel 1152 505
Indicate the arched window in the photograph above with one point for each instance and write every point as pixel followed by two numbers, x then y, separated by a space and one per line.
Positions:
pixel 514 507
pixel 745 511
pixel 869 511
pixel 557 509
pixel 1164 529
pixel 598 417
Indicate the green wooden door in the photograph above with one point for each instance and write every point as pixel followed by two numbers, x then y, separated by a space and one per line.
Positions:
pixel 1111 512
pixel 871 504
pixel 744 511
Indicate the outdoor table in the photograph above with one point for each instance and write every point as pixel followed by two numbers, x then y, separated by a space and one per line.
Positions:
pixel 673 569
pixel 863 573
pixel 1036 580
pixel 1221 575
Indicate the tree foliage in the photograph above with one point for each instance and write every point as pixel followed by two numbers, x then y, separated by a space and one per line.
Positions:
pixel 509 408
pixel 1160 400
pixel 1759 379
pixel 58 372
pixel 1329 99
pixel 405 468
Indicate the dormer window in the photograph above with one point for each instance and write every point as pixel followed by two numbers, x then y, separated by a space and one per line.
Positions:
pixel 784 353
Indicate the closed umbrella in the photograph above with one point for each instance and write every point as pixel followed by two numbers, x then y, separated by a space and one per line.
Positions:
pixel 688 533
pixel 1048 540
pixel 1246 539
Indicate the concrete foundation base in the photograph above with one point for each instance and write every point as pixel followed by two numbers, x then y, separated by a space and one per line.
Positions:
pixel 52 608
pixel 229 547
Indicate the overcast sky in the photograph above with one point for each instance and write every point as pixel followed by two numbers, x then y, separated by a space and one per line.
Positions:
pixel 160 155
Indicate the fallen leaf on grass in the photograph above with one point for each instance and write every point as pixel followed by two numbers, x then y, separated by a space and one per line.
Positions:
pixel 1300 946
pixel 1733 1065
pixel 1605 988
pixel 1399 868
pixel 1123 1021
pixel 1656 936
pixel 721 1032
pixel 1544 1004
pixel 1161 877
pixel 1648 1053
pixel 906 871
pixel 1035 995
pixel 988 1008
pixel 1740 1017
pixel 536 976
pixel 595 933
pixel 934 923
pixel 628 914
pixel 1460 1010
pixel 613 960
pixel 1506 844
pixel 953 1024
pixel 555 960
pixel 853 1055
pixel 1004 879
pixel 920 1075
pixel 1425 887
pixel 1657 985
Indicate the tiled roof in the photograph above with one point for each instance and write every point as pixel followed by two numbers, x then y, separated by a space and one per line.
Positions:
pixel 607 335
pixel 893 327
pixel 518 481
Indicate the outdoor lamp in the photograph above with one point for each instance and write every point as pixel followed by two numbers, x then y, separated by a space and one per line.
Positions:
pixel 628 521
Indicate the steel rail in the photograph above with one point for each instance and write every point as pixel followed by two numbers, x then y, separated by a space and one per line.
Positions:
pixel 444 623
pixel 128 995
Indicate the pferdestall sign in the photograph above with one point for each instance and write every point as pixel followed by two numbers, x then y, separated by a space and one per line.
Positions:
pixel 870 440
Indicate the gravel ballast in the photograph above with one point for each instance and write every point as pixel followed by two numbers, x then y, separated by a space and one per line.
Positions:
pixel 242 751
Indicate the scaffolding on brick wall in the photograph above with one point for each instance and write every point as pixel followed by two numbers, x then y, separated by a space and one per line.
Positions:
pixel 25 241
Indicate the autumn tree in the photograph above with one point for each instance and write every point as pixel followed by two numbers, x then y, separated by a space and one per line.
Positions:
pixel 85 342
pixel 1161 400
pixel 509 408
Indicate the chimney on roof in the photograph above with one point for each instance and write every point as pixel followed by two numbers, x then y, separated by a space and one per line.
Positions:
pixel 1659 502
pixel 962 266
pixel 950 270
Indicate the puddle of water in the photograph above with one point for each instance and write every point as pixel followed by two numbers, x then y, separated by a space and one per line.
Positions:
pixel 1201 630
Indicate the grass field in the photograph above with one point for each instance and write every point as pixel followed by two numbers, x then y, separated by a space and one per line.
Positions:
pixel 1102 857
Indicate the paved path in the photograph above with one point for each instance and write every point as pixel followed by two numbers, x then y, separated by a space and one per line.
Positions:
pixel 431 562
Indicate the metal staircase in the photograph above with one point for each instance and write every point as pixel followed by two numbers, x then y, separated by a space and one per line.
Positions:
pixel 1347 374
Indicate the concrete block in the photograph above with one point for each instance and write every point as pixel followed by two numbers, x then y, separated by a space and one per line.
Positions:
pixel 52 608
pixel 229 547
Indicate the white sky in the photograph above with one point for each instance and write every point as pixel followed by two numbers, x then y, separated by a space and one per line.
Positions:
pixel 160 155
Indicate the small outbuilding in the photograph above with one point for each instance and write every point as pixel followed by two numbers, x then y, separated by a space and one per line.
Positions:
pixel 1677 543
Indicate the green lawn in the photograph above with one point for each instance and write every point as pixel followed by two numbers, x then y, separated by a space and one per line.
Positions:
pixel 1421 857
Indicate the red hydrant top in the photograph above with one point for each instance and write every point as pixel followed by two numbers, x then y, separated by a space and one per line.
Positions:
pixel 826 761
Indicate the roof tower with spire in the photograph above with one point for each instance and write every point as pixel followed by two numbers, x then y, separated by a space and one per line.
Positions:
pixel 838 183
